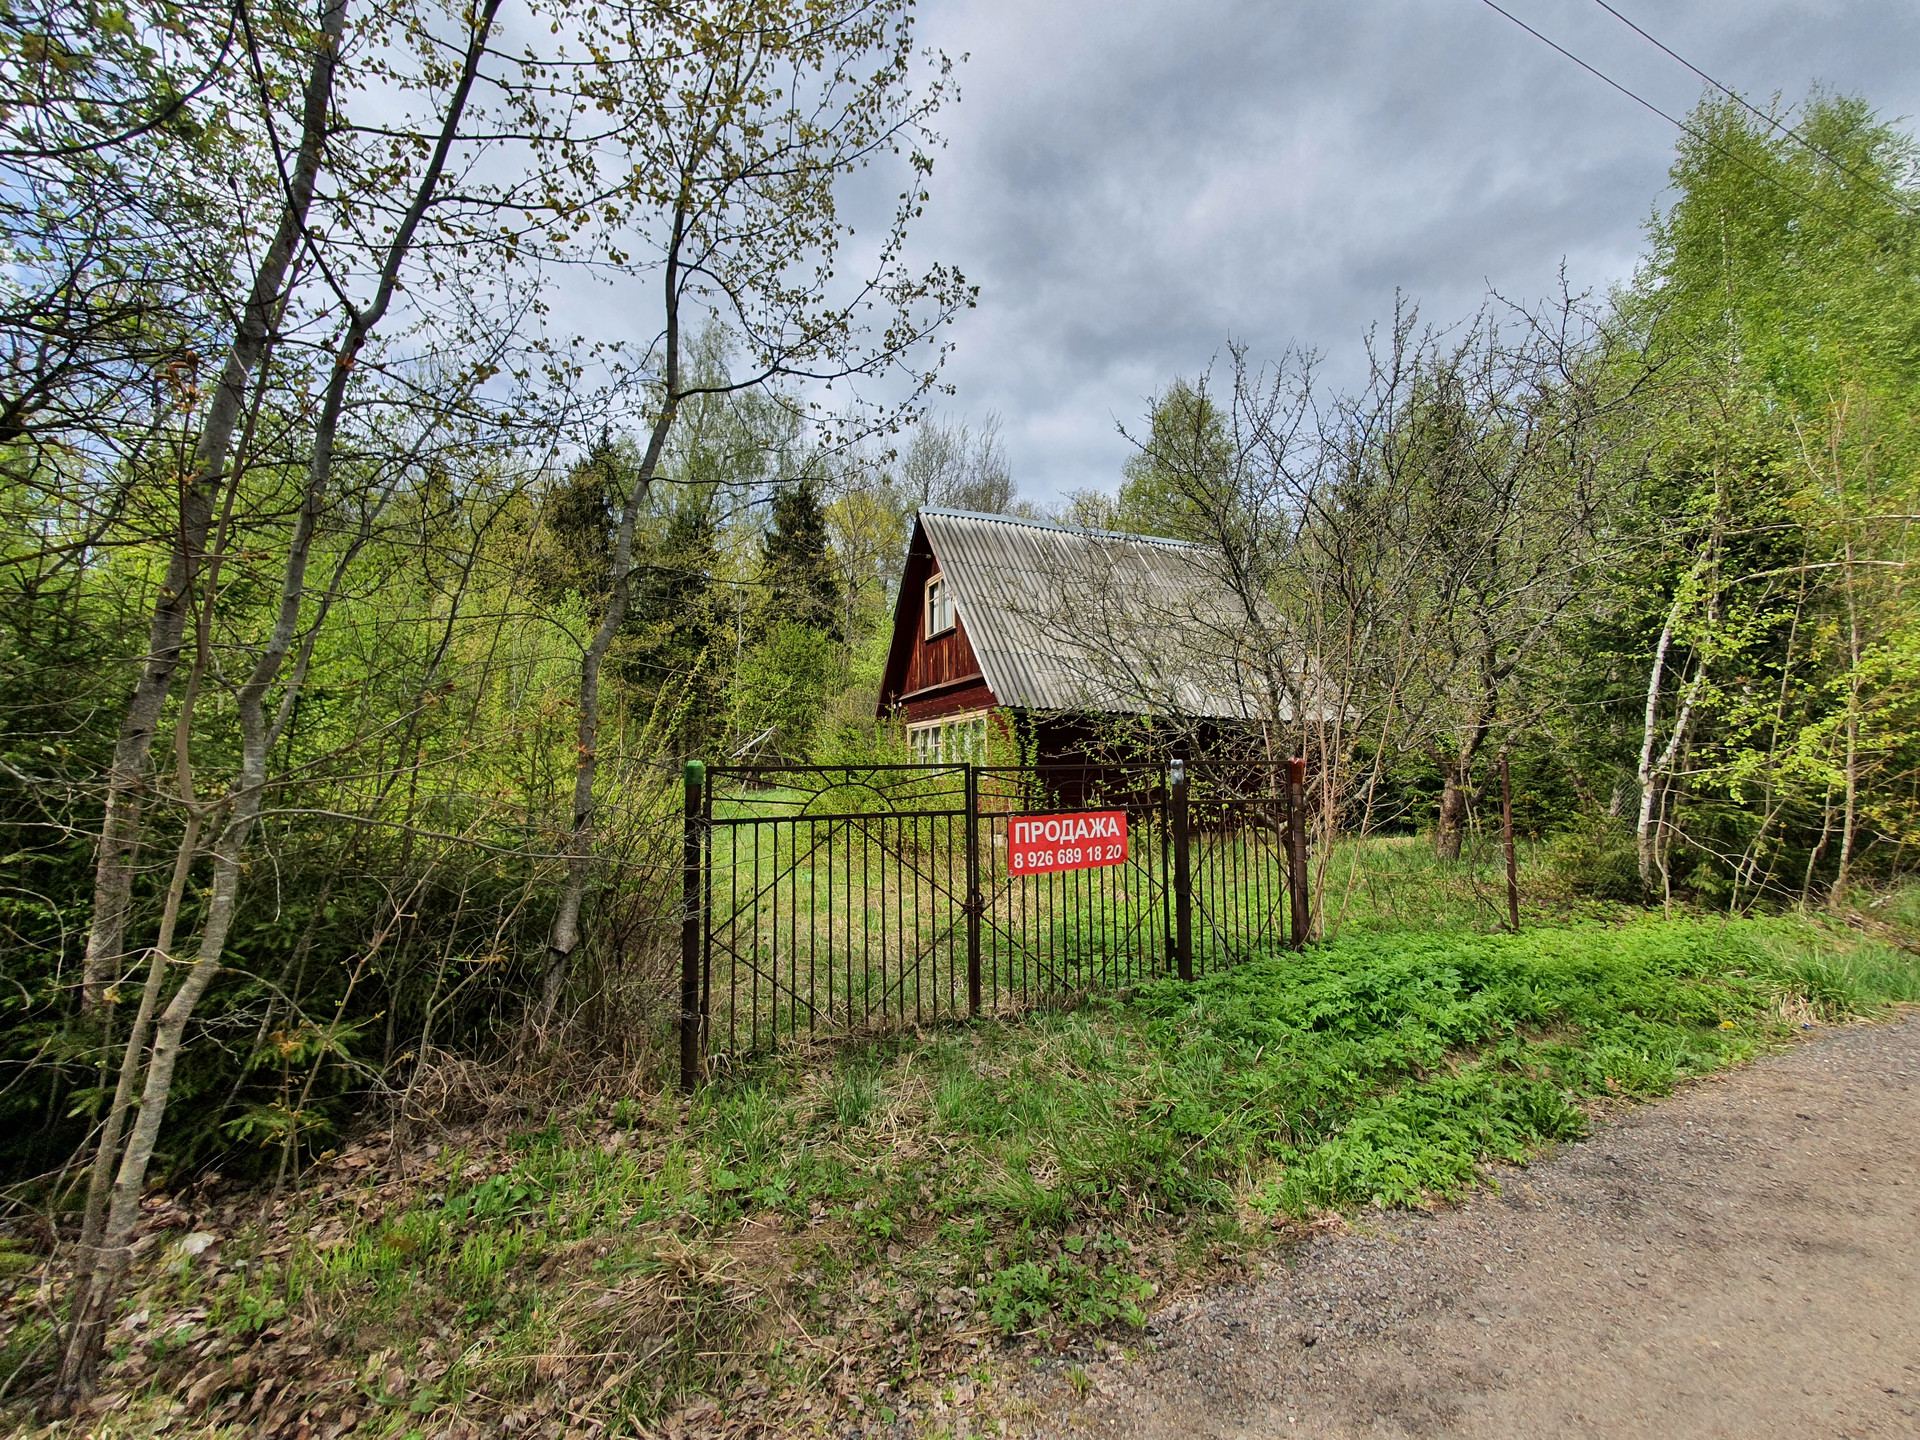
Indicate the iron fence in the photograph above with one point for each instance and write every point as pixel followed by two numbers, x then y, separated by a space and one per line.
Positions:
pixel 828 900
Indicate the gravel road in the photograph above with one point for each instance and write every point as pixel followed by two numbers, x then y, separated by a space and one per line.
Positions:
pixel 1740 1260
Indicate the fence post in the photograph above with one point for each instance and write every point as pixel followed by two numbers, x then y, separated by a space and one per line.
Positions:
pixel 1506 835
pixel 1182 872
pixel 1297 849
pixel 690 919
pixel 974 903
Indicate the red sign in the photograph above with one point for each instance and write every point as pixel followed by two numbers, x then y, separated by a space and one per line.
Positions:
pixel 1039 844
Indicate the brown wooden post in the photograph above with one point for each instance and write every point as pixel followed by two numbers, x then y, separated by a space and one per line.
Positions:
pixel 1297 849
pixel 1506 835
pixel 1182 873
pixel 690 924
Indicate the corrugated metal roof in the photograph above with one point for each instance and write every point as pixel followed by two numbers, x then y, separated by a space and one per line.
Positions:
pixel 1065 619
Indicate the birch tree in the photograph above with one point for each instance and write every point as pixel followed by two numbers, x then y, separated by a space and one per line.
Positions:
pixel 401 281
pixel 745 139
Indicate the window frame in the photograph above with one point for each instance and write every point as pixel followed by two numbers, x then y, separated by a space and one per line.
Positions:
pixel 933 610
pixel 930 741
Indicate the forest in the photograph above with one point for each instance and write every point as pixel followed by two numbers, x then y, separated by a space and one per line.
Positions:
pixel 357 614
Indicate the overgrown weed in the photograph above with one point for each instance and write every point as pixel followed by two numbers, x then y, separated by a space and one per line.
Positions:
pixel 1397 884
pixel 828 1223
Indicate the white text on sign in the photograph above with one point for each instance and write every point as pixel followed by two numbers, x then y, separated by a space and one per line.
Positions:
pixel 1039 844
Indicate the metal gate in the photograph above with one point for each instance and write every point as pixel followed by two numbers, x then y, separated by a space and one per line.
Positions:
pixel 1045 938
pixel 822 901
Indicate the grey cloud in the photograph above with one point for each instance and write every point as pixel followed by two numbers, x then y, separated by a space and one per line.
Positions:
pixel 1133 184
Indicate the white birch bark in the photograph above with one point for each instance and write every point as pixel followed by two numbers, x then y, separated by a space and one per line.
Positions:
pixel 1850 804
pixel 120 825
pixel 97 1291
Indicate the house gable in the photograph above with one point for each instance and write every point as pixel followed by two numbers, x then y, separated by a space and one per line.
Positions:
pixel 928 677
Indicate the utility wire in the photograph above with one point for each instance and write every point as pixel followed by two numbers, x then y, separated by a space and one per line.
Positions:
pixel 1742 101
pixel 1682 125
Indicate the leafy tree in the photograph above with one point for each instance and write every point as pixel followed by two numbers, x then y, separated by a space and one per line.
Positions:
pixel 738 148
pixel 1781 301
pixel 781 688
pixel 1183 462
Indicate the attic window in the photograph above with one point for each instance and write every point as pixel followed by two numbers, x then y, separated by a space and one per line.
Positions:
pixel 939 607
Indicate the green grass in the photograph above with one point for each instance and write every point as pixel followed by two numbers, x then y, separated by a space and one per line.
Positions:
pixel 1038 1173
pixel 831 922
pixel 1899 907
pixel 1377 1067
pixel 1396 883
pixel 1883 969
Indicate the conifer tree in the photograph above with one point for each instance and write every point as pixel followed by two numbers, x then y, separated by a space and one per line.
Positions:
pixel 796 565
pixel 669 657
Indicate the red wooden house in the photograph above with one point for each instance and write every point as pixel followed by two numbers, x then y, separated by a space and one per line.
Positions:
pixel 1055 628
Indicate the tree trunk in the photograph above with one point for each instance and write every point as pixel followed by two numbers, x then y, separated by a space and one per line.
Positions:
pixel 1453 817
pixel 1850 804
pixel 1456 772
pixel 1643 828
pixel 95 1297
pixel 1651 768
pixel 98 1290
pixel 100 1182
pixel 120 825
pixel 580 839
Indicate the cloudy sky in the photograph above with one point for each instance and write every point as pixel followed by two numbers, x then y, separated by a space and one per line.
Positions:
pixel 1132 183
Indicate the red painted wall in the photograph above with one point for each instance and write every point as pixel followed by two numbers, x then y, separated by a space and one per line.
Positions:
pixel 943 659
pixel 927 679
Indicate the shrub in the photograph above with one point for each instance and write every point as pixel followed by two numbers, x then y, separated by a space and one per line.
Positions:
pixel 1600 859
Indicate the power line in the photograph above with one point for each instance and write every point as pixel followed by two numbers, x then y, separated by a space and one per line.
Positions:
pixel 1679 124
pixel 1742 101
pixel 1597 74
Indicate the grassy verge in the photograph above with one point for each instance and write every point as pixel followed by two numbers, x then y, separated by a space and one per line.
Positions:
pixel 865 1235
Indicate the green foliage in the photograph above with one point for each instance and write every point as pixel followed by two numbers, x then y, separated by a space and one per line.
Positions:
pixel 780 687
pixel 1599 858
pixel 1394 1065
pixel 1387 1064
pixel 797 576
pixel 674 651
pixel 1431 1140
pixel 1777 265
pixel 425 730
pixel 1004 1173
pixel 1068 1290
pixel 574 556
pixel 1779 308
pixel 1184 455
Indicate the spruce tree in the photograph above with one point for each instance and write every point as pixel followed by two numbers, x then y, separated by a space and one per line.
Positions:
pixel 797 574
pixel 670 656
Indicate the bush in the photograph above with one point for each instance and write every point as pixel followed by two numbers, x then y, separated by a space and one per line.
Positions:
pixel 1600 859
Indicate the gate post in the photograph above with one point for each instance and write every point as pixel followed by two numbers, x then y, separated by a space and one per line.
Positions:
pixel 690 924
pixel 974 903
pixel 1182 873
pixel 1297 849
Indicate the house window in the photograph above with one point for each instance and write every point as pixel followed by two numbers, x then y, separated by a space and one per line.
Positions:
pixel 959 740
pixel 939 607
